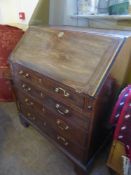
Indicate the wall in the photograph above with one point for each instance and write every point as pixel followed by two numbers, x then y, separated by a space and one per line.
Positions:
pixel 128 80
pixel 5 11
pixel 9 10
pixel 121 68
pixel 41 13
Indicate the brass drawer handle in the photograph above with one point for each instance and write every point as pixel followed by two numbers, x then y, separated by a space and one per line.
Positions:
pixel 89 107
pixel 59 89
pixel 39 80
pixel 61 126
pixel 30 103
pixel 41 94
pixel 21 72
pixel 59 138
pixel 29 115
pixel 43 109
pixel 23 86
pixel 66 111
pixel 26 100
pixel 27 75
pixel 26 88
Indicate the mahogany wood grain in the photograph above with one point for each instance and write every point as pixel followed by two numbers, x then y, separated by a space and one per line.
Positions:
pixel 82 131
pixel 48 84
pixel 45 97
pixel 44 126
pixel 76 59
pixel 64 88
pixel 67 128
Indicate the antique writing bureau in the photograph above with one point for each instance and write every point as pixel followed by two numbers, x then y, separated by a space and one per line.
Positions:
pixel 64 87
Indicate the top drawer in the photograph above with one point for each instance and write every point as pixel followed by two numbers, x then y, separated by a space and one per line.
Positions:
pixel 62 91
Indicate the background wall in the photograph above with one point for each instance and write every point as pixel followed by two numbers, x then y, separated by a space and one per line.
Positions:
pixel 41 13
pixel 9 10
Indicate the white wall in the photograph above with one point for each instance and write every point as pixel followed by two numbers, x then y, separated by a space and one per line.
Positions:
pixel 9 10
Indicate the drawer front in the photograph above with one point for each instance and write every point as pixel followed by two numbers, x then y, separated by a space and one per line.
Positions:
pixel 65 111
pixel 70 129
pixel 44 126
pixel 62 91
pixel 53 105
pixel 34 118
pixel 70 147
pixel 30 90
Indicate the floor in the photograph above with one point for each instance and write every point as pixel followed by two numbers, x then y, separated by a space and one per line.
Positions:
pixel 23 151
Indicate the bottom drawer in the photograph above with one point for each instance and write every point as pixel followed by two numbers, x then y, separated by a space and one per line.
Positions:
pixel 34 119
pixel 70 127
pixel 44 127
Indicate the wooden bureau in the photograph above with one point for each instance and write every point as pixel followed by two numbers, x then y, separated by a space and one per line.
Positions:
pixel 64 87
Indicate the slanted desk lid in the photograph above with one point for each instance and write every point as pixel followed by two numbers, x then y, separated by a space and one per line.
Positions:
pixel 80 60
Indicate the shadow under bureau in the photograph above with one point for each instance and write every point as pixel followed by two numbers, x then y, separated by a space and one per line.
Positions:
pixel 64 87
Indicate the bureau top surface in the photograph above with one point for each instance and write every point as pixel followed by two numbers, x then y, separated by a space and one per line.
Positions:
pixel 77 59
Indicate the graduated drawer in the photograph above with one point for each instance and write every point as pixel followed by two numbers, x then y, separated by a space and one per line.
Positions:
pixel 71 128
pixel 51 102
pixel 34 118
pixel 52 105
pixel 62 91
pixel 44 126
